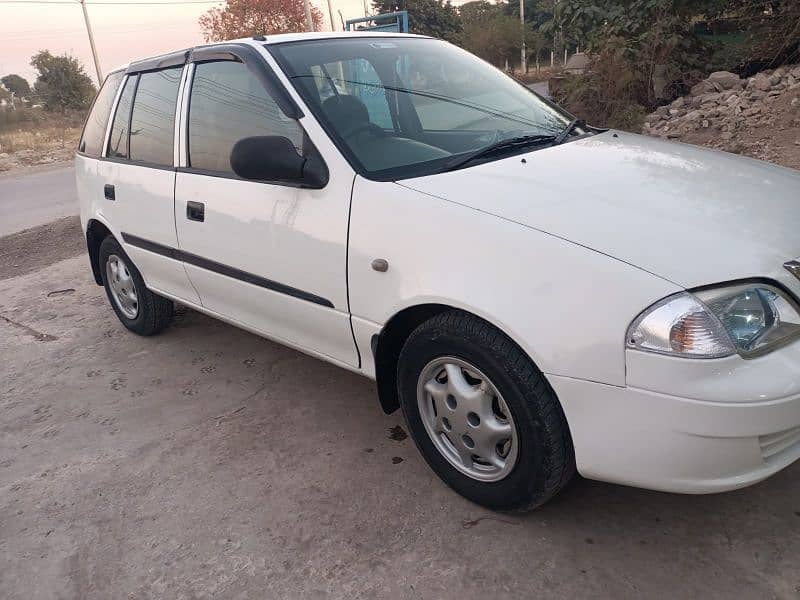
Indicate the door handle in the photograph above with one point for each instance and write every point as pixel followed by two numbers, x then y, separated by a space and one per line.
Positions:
pixel 195 211
pixel 109 192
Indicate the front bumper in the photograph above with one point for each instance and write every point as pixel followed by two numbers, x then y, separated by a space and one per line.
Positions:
pixel 688 426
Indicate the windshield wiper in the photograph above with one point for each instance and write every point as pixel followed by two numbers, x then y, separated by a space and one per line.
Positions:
pixel 515 142
pixel 575 123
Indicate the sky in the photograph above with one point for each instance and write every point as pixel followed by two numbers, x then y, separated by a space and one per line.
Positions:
pixel 123 31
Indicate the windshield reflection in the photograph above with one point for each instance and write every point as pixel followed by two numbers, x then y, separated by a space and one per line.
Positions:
pixel 400 106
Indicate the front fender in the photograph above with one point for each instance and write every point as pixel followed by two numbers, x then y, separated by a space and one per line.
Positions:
pixel 567 306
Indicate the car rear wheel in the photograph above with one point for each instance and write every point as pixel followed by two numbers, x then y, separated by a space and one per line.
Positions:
pixel 484 417
pixel 139 309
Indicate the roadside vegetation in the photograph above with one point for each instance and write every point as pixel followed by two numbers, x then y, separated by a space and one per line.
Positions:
pixel 41 123
pixel 641 55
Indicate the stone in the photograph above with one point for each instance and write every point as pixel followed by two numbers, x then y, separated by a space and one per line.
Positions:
pixel 695 115
pixel 705 123
pixel 674 111
pixel 678 102
pixel 706 87
pixel 760 82
pixel 724 79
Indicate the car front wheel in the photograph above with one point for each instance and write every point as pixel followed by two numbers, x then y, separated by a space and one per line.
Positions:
pixel 484 417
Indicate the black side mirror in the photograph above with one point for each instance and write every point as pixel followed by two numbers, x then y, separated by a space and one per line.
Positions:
pixel 274 158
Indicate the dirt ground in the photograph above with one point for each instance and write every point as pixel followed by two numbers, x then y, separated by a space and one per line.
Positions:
pixel 24 252
pixel 210 463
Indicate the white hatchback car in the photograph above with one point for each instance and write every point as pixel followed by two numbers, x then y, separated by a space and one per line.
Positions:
pixel 536 295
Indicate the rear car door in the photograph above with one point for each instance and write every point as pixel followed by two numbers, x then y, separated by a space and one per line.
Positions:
pixel 269 256
pixel 140 182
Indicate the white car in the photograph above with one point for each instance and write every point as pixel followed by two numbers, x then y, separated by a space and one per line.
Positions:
pixel 537 295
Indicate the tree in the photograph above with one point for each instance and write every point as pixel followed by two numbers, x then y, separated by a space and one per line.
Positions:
pixel 62 83
pixel 17 85
pixel 436 18
pixel 491 33
pixel 246 18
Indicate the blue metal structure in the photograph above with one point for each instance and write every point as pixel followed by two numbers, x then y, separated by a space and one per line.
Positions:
pixel 396 22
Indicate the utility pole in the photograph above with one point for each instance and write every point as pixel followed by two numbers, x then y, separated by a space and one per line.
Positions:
pixel 330 15
pixel 523 52
pixel 366 9
pixel 309 22
pixel 91 43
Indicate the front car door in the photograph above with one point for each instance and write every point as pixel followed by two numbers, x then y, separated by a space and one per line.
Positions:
pixel 269 256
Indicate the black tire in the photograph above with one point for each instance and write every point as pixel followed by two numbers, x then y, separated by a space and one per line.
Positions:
pixel 154 311
pixel 545 458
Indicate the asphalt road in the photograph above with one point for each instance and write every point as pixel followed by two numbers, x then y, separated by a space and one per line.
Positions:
pixel 541 87
pixel 36 197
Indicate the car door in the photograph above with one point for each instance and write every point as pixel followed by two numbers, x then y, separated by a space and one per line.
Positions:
pixel 269 256
pixel 141 178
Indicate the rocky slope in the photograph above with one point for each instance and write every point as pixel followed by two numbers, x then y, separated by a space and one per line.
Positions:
pixel 758 116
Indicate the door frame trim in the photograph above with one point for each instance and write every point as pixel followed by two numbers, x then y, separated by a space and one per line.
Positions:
pixel 221 269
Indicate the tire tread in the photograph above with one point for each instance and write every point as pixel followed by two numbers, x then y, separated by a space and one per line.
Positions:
pixel 559 461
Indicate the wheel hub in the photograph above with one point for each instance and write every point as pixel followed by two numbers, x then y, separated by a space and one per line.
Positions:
pixel 121 284
pixel 467 419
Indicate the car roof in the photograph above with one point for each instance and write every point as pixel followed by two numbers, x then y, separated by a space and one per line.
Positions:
pixel 280 38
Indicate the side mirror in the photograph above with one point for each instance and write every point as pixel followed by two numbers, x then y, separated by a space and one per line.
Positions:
pixel 274 158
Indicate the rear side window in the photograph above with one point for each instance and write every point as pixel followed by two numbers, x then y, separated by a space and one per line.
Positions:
pixel 227 103
pixel 153 119
pixel 118 140
pixel 94 132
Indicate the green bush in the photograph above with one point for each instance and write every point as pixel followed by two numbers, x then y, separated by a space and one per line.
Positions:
pixel 609 95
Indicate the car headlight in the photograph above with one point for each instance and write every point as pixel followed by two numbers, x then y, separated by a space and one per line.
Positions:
pixel 749 319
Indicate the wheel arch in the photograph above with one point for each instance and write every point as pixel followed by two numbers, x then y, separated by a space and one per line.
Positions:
pixel 387 344
pixel 96 232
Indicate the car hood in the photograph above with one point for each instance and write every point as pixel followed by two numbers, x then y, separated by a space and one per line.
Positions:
pixel 687 214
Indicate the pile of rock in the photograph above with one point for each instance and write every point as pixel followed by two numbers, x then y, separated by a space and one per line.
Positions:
pixel 724 104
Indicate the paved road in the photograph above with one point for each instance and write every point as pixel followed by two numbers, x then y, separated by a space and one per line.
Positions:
pixel 36 198
pixel 541 87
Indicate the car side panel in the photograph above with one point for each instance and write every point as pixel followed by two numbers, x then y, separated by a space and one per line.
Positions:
pixel 567 306
pixel 144 208
pixel 91 175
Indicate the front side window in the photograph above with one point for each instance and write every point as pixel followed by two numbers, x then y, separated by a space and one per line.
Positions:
pixel 118 139
pixel 94 132
pixel 227 103
pixel 153 118
pixel 401 107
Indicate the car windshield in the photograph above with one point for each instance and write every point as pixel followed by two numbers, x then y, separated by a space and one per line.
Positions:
pixel 401 107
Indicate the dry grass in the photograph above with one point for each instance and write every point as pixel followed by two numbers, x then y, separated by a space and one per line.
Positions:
pixel 44 138
pixel 37 138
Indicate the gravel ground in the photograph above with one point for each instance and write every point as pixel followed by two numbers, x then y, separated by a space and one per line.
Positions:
pixel 32 249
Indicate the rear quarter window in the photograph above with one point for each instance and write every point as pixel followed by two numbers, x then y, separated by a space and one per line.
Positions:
pixel 94 131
